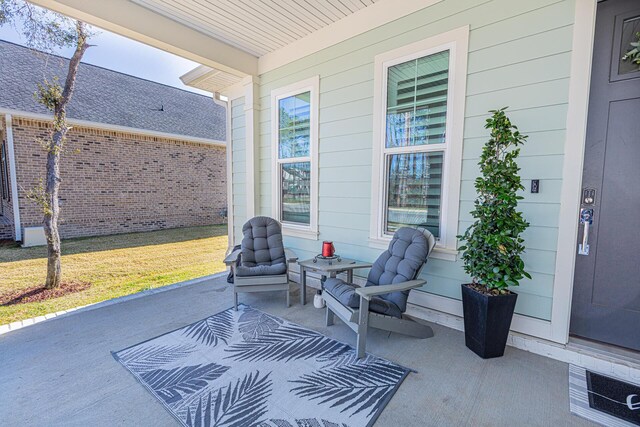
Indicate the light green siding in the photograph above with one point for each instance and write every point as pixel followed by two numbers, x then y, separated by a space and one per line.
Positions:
pixel 519 56
pixel 239 156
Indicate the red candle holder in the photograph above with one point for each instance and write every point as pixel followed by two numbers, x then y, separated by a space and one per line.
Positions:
pixel 328 249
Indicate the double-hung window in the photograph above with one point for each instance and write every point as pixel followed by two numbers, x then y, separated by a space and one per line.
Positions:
pixel 295 151
pixel 419 112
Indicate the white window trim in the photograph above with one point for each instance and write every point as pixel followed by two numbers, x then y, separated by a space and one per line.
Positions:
pixel 457 42
pixel 311 85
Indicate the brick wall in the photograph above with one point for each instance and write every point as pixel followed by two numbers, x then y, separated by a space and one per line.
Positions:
pixel 6 208
pixel 115 182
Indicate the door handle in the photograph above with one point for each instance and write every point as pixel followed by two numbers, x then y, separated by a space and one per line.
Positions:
pixel 586 219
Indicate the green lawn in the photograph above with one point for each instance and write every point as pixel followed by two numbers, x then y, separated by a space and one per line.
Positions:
pixel 114 265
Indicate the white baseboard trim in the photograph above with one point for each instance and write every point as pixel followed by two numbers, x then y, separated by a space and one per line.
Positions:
pixel 520 323
pixel 605 363
pixel 435 316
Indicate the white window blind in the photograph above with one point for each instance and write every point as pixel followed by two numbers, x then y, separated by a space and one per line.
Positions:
pixel 415 142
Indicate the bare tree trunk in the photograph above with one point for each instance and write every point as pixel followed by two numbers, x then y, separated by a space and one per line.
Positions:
pixel 52 215
pixel 52 185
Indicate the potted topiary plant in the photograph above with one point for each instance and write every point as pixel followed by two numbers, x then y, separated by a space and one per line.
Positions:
pixel 492 245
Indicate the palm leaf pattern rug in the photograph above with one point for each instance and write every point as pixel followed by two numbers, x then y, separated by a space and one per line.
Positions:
pixel 249 368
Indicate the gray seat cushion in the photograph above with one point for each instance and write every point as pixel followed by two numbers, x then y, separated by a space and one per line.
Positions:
pixel 343 292
pixel 401 262
pixel 262 246
pixel 261 270
pixel 346 294
pixel 379 305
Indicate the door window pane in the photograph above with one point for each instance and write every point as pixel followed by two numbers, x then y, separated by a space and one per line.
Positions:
pixel 417 101
pixel 296 192
pixel 414 188
pixel 294 125
pixel 630 31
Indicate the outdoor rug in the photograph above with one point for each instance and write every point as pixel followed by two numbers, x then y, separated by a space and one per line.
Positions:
pixel 249 368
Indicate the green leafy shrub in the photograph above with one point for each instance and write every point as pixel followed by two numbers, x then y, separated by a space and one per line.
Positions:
pixel 492 244
pixel 633 54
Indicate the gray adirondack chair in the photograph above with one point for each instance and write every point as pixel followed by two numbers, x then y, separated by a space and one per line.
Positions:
pixel 382 302
pixel 262 262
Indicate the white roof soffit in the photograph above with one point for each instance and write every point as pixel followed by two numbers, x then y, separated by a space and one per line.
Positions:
pixel 139 23
pixel 254 26
pixel 307 26
pixel 237 38
pixel 209 79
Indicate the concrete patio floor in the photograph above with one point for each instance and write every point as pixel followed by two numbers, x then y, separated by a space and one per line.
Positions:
pixel 61 372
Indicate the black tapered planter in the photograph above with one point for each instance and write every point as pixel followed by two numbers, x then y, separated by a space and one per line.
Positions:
pixel 487 320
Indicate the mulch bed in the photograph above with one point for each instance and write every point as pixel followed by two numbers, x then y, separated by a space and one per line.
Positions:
pixel 39 293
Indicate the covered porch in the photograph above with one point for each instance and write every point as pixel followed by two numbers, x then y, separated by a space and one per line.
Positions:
pixel 317 117
pixel 70 356
pixel 338 72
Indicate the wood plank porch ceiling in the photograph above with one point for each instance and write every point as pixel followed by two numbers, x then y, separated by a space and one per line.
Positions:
pixel 256 26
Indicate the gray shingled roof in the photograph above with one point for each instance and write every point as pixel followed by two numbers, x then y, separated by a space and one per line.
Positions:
pixel 107 96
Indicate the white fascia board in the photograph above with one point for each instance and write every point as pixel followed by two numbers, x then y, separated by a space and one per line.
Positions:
pixel 196 75
pixel 115 128
pixel 365 19
pixel 210 79
pixel 144 25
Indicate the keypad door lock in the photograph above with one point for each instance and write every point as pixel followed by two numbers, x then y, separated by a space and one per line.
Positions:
pixel 586 220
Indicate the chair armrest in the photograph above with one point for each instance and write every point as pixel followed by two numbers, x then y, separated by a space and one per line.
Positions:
pixel 290 256
pixel 369 291
pixel 232 257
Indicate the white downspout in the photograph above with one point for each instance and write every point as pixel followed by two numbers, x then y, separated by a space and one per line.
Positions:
pixel 13 178
pixel 229 165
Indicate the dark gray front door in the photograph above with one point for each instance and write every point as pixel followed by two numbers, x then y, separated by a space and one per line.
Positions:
pixel 606 294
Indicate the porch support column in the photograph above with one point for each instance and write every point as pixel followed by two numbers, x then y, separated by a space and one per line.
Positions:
pixel 13 178
pixel 252 129
pixel 229 166
pixel 577 114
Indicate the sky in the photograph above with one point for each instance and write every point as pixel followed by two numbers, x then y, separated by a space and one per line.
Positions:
pixel 119 53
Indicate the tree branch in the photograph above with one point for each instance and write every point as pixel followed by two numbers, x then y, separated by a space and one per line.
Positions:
pixel 74 64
